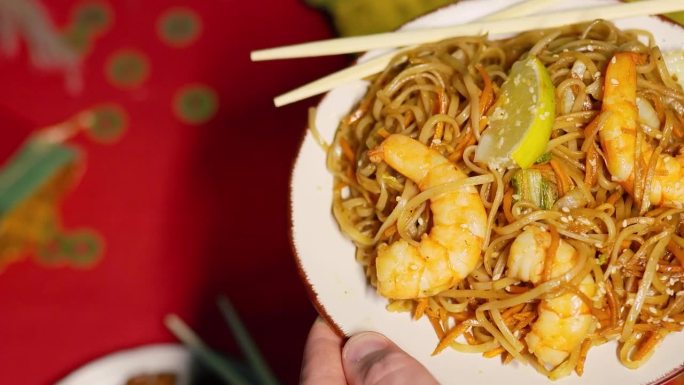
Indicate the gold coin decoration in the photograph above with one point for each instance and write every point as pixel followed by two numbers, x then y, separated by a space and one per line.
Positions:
pixel 79 248
pixel 89 19
pixel 94 17
pixel 195 104
pixel 127 68
pixel 179 27
pixel 109 124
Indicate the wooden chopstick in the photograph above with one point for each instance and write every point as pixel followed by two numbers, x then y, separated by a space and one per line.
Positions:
pixel 377 64
pixel 406 38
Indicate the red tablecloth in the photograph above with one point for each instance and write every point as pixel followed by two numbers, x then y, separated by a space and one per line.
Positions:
pixel 187 211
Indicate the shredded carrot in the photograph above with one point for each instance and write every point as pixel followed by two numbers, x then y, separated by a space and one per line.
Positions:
pixel 524 322
pixel 646 327
pixel 591 129
pixel 432 313
pixel 670 269
pixel 512 310
pixel 543 167
pixel 676 251
pixel 360 111
pixel 462 316
pixel 507 203
pixel 562 178
pixel 507 358
pixel 390 231
pixel 625 244
pixel 420 308
pixel 450 337
pixel 517 289
pixel 486 96
pixel 470 338
pixel 443 315
pixel 591 164
pixel 437 326
pixel 614 197
pixel 648 345
pixel 584 349
pixel 612 304
pixel 493 353
pixel 678 131
pixel 523 315
pixel 466 140
pixel 383 133
pixel 672 327
pixel 408 117
pixel 347 150
pixel 350 173
pixel 551 253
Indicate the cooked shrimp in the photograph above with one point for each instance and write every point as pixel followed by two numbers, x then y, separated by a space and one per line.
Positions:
pixel 618 136
pixel 564 321
pixel 452 248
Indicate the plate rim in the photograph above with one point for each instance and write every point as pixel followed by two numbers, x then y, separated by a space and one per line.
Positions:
pixel 313 295
pixel 77 375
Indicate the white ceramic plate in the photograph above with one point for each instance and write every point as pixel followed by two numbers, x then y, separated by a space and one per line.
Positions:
pixel 117 368
pixel 337 283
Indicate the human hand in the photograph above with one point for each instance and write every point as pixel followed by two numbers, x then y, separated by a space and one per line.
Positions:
pixel 365 359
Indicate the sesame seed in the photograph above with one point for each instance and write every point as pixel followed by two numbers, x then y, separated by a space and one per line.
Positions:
pixel 565 209
pixel 614 82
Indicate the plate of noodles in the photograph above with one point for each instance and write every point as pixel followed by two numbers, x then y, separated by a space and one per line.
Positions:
pixel 570 268
pixel 163 364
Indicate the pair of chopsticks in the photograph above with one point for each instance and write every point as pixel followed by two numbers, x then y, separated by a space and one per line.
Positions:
pixel 511 20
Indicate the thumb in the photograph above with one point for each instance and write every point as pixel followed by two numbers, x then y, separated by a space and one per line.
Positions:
pixel 371 359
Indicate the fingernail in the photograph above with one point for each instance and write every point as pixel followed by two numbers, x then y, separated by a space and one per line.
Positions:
pixel 364 344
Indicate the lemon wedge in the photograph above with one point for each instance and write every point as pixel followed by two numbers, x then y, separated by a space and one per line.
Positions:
pixel 521 119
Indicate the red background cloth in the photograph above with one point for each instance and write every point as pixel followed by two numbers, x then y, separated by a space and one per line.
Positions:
pixel 187 212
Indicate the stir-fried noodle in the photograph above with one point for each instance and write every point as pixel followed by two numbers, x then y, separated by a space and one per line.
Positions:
pixel 630 249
